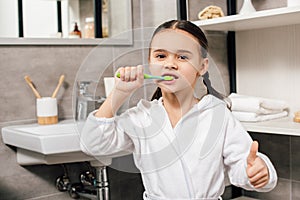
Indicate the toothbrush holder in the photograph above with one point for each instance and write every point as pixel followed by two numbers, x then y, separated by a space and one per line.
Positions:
pixel 46 110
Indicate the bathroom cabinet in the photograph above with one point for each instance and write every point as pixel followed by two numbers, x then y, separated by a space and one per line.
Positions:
pixel 39 22
pixel 267 60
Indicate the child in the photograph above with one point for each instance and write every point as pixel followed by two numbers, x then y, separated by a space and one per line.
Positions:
pixel 181 144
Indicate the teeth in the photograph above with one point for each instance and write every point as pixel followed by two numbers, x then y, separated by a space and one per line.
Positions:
pixel 174 77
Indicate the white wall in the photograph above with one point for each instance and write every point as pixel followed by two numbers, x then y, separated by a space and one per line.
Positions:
pixel 40 18
pixel 8 18
pixel 268 64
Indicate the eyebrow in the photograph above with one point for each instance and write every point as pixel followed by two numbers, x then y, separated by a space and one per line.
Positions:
pixel 178 51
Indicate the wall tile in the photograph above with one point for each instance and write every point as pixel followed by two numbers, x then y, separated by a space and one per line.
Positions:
pixel 125 185
pixel 280 192
pixel 295 158
pixel 44 66
pixel 197 6
pixel 41 178
pixel 219 76
pixel 268 4
pixel 155 12
pixel 264 5
pixel 136 13
pixel 277 148
pixel 227 193
pixel 128 56
pixel 295 190
pixel 95 63
pixel 8 158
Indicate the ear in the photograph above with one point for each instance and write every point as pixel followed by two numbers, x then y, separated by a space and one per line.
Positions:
pixel 204 67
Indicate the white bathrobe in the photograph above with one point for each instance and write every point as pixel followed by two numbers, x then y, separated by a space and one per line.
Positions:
pixel 184 162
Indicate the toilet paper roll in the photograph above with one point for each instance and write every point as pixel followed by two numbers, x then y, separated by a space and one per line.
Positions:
pixel 46 107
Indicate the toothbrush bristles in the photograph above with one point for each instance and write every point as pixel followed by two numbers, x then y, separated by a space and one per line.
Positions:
pixel 168 78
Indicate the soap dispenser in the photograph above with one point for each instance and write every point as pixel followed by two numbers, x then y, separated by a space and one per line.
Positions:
pixel 76 33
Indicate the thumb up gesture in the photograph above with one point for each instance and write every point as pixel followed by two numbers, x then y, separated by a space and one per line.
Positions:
pixel 257 170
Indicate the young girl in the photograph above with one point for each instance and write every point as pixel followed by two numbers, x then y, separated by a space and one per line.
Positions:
pixel 181 144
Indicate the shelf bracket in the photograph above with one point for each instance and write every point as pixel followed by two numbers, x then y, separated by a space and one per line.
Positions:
pixel 231 49
pixel 181 9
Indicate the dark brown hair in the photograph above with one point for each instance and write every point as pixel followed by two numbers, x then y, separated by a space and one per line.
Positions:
pixel 194 30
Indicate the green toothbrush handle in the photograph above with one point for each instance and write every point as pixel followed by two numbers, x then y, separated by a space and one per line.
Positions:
pixel 146 76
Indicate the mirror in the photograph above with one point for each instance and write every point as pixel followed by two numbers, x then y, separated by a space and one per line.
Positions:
pixel 53 22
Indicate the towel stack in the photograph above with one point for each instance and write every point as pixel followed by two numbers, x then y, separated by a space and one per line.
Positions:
pixel 255 109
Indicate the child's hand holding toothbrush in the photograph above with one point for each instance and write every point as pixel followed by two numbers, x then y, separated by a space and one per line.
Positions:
pixel 131 78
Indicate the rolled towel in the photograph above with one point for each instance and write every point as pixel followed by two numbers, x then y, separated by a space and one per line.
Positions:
pixel 258 105
pixel 254 117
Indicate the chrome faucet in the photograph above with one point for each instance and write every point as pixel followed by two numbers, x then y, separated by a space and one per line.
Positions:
pixel 86 102
pixel 92 187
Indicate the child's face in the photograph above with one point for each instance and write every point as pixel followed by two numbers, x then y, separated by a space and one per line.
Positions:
pixel 176 53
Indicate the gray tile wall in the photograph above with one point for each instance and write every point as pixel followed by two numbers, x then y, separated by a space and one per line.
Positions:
pixel 284 153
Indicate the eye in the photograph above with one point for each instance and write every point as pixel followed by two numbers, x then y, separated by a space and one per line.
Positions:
pixel 182 57
pixel 160 55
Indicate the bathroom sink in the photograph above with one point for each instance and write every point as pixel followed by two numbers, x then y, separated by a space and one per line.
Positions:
pixel 46 139
pixel 48 144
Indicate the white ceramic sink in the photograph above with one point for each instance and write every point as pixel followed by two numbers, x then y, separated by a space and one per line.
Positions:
pixel 48 144
pixel 46 139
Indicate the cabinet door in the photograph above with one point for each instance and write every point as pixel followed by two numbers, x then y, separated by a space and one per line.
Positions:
pixel 40 18
pixel 9 19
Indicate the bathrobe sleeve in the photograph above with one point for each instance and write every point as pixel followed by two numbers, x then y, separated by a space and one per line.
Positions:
pixel 236 150
pixel 103 137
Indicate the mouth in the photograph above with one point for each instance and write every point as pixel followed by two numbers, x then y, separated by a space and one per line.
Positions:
pixel 172 75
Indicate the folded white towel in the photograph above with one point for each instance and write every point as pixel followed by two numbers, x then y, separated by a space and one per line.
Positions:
pixel 254 117
pixel 257 105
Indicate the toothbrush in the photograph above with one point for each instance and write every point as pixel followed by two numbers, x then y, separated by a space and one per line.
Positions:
pixel 148 76
pixel 61 80
pixel 32 86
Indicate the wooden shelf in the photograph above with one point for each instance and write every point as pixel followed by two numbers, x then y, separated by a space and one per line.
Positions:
pixel 283 126
pixel 256 20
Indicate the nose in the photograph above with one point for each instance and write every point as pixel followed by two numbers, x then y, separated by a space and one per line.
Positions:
pixel 170 63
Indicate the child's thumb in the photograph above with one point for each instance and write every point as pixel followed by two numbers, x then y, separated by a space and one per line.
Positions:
pixel 252 154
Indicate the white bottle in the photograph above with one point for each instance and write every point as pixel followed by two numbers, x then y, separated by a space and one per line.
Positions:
pixel 89 31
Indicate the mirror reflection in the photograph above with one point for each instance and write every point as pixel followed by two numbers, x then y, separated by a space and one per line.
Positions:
pixel 86 19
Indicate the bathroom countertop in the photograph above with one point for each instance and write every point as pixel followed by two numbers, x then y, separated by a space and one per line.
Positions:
pixel 283 126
